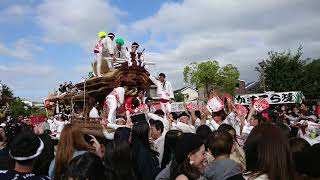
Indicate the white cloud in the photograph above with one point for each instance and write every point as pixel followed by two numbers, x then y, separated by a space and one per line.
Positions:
pixel 22 49
pixel 82 68
pixel 15 13
pixel 17 70
pixel 75 21
pixel 230 31
pixel 31 80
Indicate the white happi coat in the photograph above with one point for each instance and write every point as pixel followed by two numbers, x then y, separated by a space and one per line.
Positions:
pixel 164 90
pixel 108 47
pixel 122 53
pixel 114 100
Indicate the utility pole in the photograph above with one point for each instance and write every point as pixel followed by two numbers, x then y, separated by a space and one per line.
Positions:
pixel 262 64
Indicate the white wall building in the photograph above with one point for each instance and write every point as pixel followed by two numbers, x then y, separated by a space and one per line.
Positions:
pixel 190 94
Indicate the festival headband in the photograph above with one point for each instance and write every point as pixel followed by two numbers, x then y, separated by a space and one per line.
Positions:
pixel 39 150
pixel 132 92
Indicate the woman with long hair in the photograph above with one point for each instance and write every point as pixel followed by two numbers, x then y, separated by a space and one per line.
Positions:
pixel 190 158
pixel 268 154
pixel 171 139
pixel 169 145
pixel 118 161
pixel 146 165
pixel 71 144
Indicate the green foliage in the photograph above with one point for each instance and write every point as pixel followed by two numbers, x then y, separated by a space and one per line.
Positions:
pixel 289 72
pixel 228 76
pixel 17 108
pixel 209 74
pixel 284 71
pixel 39 113
pixel 311 80
pixel 179 97
pixel 7 91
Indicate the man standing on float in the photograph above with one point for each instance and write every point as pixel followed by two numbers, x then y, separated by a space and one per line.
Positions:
pixel 135 55
pixel 119 50
pixel 164 92
pixel 98 53
pixel 110 45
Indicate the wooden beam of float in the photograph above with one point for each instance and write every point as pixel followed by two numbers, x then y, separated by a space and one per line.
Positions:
pixel 131 76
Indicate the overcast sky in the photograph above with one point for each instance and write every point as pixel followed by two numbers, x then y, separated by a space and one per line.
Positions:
pixel 46 42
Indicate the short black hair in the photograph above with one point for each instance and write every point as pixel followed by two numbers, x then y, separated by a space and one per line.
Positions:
pixel 197 113
pixel 220 143
pixel 135 103
pixel 174 115
pixel 163 75
pixel 159 112
pixel 184 114
pixel 220 113
pixel 135 44
pixel 148 99
pixel 111 34
pixel 151 121
pixel 203 132
pixel 157 124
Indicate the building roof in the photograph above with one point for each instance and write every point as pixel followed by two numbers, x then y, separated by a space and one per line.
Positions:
pixel 250 84
pixel 184 88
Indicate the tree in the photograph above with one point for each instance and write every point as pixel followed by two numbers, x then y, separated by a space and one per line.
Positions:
pixel 178 97
pixel 289 72
pixel 209 74
pixel 17 108
pixel 311 80
pixel 7 91
pixel 283 71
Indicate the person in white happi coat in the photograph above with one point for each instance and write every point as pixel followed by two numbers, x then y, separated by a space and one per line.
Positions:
pixel 109 44
pixel 120 51
pixel 98 49
pixel 114 100
pixel 164 92
pixel 184 124
pixel 135 55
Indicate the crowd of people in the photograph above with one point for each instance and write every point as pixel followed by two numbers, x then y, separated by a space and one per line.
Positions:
pixel 279 143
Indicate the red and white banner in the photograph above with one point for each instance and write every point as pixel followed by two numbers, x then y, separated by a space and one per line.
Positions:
pixel 215 104
pixel 261 104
